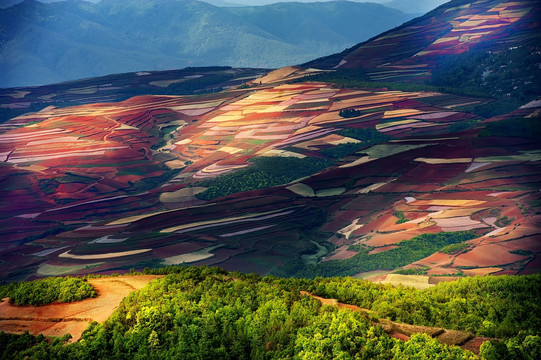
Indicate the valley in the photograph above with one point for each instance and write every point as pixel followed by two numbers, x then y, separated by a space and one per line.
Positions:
pixel 382 202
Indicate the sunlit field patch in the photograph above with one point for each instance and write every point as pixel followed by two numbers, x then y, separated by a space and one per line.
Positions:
pixel 416 281
pixel 59 270
pixel 444 161
pixel 68 255
pixel 191 257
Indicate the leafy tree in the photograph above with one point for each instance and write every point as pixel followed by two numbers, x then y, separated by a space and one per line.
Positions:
pixel 494 350
pixel 208 313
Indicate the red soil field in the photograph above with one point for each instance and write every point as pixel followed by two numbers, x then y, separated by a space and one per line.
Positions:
pixel 340 254
pixel 533 267
pixel 380 222
pixel 70 187
pixel 402 186
pixel 438 259
pixel 493 255
pixel 382 239
pixel 58 319
pixel 437 174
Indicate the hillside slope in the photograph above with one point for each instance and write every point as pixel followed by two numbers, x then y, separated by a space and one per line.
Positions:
pixel 373 170
pixel 207 313
pixel 277 173
pixel 412 51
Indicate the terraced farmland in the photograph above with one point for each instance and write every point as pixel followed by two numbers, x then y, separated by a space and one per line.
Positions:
pixel 113 186
pixel 411 52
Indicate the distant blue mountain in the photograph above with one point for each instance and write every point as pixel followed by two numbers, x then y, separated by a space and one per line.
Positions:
pixel 45 43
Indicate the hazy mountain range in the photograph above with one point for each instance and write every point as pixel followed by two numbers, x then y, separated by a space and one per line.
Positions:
pixel 407 6
pixel 47 43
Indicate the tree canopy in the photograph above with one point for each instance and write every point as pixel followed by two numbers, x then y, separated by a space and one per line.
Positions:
pixel 209 313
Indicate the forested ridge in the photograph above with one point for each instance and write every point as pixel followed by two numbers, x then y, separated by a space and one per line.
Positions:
pixel 209 313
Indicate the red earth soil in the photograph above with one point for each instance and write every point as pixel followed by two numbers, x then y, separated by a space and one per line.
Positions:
pixel 59 319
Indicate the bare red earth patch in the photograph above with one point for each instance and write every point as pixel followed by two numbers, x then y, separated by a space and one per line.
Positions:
pixel 487 255
pixel 61 318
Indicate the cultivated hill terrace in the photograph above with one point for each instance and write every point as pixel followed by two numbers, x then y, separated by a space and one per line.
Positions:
pixel 412 51
pixel 156 180
pixel 299 171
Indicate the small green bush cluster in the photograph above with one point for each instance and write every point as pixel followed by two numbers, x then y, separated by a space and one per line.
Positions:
pixel 400 216
pixel 46 291
pixel 455 248
pixel 503 221
pixel 349 113
pixel 412 271
pixel 367 136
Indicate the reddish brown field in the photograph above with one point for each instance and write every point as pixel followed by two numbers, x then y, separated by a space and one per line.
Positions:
pixel 487 255
pixel 533 267
pixel 379 223
pixel 383 239
pixel 341 253
pixel 73 318
pixel 437 259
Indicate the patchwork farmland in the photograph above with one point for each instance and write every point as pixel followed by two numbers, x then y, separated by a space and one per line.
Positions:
pixel 411 52
pixel 108 187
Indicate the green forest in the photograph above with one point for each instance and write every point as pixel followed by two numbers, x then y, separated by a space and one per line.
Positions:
pixel 209 313
pixel 406 252
pixel 263 172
